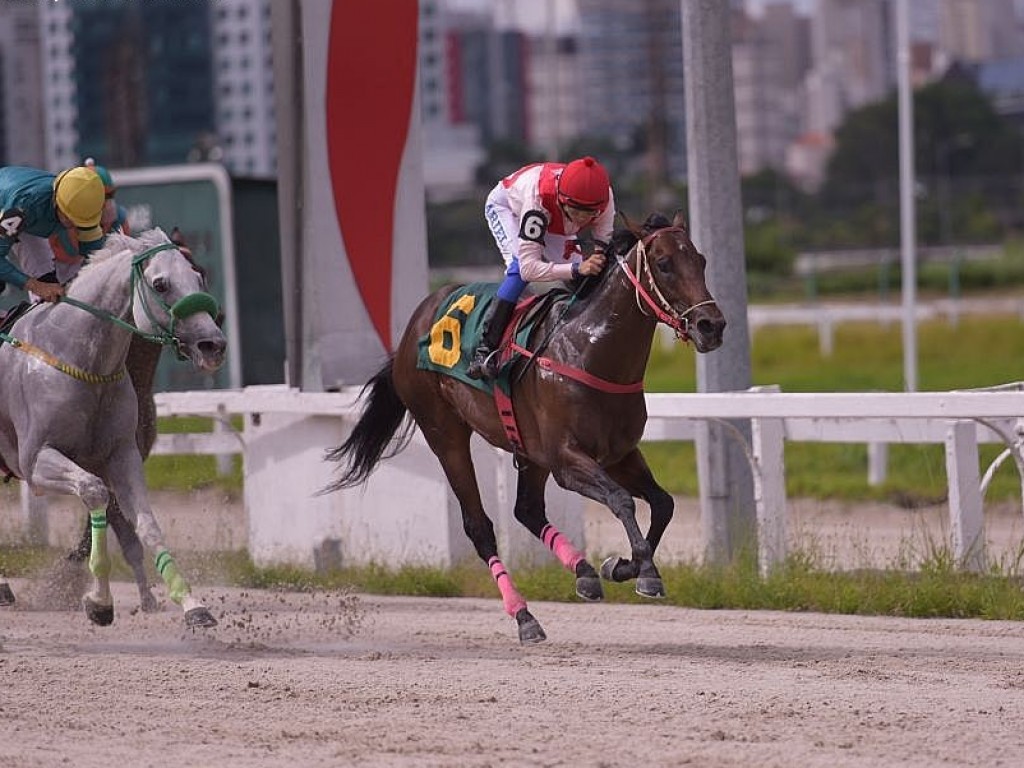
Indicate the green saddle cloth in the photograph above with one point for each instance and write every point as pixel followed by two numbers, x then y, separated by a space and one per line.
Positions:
pixel 456 332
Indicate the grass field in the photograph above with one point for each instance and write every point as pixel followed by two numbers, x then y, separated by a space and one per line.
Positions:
pixel 980 351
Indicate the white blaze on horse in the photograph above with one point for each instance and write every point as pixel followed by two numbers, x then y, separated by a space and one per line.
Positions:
pixel 68 411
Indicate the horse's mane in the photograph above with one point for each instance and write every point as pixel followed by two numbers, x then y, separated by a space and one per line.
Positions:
pixel 623 239
pixel 117 243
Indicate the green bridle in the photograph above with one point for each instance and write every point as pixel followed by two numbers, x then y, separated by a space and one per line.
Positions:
pixel 186 306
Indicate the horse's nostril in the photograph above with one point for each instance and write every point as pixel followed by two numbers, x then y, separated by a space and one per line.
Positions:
pixel 705 327
pixel 212 346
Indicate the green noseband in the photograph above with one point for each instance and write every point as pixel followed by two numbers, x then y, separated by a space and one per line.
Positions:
pixel 193 303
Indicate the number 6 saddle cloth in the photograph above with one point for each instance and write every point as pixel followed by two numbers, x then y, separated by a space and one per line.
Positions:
pixel 458 325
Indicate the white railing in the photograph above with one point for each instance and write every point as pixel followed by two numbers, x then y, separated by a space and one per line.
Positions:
pixel 959 420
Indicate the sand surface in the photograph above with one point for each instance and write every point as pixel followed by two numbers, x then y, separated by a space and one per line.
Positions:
pixel 334 679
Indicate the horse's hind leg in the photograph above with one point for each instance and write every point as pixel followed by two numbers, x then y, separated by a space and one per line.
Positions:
pixel 531 512
pixel 451 446
pixel 56 473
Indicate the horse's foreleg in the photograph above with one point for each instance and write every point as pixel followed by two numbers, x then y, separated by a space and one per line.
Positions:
pixel 582 474
pixel 451 445
pixel 531 512
pixel 56 473
pixel 134 554
pixel 126 482
pixel 633 474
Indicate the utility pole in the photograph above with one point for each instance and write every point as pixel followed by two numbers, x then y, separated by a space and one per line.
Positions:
pixel 728 519
pixel 908 208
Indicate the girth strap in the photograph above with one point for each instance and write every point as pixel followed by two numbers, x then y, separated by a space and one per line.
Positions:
pixel 583 377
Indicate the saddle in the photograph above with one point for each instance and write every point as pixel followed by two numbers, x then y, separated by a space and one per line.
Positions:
pixel 458 324
pixel 457 327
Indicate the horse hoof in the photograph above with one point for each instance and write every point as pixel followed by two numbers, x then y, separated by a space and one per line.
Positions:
pixel 6 595
pixel 589 588
pixel 530 630
pixel 647 586
pixel 199 617
pixel 100 615
pixel 618 569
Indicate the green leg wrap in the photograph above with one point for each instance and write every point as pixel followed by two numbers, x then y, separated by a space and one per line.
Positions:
pixel 99 561
pixel 177 587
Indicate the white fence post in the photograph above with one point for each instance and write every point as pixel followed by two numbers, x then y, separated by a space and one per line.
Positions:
pixel 965 514
pixel 768 449
pixel 878 463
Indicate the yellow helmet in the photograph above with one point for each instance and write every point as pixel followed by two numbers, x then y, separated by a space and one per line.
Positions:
pixel 80 196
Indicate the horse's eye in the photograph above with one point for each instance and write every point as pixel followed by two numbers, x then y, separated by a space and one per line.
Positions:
pixel 664 265
pixel 160 285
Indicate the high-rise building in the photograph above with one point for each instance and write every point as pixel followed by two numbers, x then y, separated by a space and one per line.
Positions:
pixel 631 70
pixel 164 82
pixel 553 93
pixel 243 77
pixel 853 44
pixel 771 56
pixel 22 129
pixel 979 30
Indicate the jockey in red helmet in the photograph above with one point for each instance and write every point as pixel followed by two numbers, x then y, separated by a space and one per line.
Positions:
pixel 535 216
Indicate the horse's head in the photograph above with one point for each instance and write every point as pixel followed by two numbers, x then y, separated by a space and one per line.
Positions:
pixel 669 274
pixel 170 302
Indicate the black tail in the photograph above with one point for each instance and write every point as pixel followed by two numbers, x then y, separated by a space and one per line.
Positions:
pixel 382 417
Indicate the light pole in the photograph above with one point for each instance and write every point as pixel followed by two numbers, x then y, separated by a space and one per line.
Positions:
pixel 908 211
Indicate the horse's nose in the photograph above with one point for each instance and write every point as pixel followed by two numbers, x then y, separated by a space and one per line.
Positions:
pixel 711 328
pixel 212 348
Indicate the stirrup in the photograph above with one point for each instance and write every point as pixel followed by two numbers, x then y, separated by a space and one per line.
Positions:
pixel 477 366
pixel 486 367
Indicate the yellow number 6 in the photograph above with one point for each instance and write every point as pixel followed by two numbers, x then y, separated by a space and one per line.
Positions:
pixel 446 334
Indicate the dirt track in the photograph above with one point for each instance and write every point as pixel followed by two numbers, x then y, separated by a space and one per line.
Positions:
pixel 328 680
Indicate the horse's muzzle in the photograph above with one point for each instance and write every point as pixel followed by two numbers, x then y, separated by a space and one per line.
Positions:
pixel 207 354
pixel 706 329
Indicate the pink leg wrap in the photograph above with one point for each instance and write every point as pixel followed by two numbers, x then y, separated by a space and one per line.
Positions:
pixel 562 547
pixel 510 596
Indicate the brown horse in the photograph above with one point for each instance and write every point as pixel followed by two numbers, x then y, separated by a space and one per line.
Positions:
pixel 580 409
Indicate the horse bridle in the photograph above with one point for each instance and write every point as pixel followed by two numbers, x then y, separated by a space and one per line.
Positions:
pixel 199 301
pixel 659 305
pixel 184 307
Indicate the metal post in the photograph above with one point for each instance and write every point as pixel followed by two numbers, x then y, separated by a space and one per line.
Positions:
pixel 908 224
pixel 728 518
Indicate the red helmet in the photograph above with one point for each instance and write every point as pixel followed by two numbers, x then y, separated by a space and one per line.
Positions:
pixel 584 184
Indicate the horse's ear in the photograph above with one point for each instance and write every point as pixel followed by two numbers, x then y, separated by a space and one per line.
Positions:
pixel 630 224
pixel 679 220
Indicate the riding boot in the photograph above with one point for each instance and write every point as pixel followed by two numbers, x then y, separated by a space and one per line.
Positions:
pixel 485 358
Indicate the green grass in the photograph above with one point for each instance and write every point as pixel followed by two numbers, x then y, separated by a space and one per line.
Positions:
pixel 935 589
pixel 186 473
pixel 979 352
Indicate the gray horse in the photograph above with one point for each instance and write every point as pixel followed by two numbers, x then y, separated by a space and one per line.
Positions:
pixel 74 431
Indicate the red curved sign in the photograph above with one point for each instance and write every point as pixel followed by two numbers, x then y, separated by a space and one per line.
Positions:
pixel 371 77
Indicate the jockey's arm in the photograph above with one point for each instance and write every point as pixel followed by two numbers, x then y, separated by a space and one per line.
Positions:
pixel 9 273
pixel 534 268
